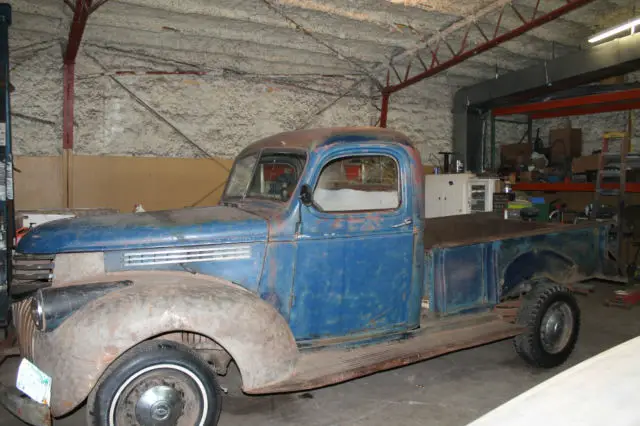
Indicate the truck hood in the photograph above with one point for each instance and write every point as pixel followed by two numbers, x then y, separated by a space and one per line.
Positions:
pixel 206 225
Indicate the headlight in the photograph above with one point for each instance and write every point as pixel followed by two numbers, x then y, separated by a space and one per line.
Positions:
pixel 51 306
pixel 37 312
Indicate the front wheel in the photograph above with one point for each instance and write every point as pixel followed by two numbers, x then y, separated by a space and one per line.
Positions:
pixel 551 316
pixel 157 383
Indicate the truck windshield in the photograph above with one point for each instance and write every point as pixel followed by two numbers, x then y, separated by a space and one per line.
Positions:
pixel 271 175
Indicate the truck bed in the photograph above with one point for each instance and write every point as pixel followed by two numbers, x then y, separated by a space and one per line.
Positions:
pixel 452 231
pixel 473 261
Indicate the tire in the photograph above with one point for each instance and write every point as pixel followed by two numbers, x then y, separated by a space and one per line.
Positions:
pixel 551 316
pixel 157 381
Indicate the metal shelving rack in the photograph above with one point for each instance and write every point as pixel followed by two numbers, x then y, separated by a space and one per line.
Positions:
pixel 579 101
pixel 594 99
pixel 572 187
pixel 7 222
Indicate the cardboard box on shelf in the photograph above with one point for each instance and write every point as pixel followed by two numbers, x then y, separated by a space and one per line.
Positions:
pixel 633 175
pixel 618 79
pixel 565 144
pixel 515 154
pixel 526 176
pixel 428 169
pixel 585 163
pixel 531 176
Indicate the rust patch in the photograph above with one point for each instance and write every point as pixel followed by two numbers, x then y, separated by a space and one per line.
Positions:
pixel 330 367
pixel 508 310
pixel 25 409
pixel 110 353
pixel 313 139
pixel 81 348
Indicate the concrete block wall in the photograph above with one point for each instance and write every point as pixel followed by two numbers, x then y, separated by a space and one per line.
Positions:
pixel 147 115
pixel 222 111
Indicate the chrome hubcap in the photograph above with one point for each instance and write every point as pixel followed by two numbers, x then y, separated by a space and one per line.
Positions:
pixel 556 327
pixel 160 395
pixel 159 406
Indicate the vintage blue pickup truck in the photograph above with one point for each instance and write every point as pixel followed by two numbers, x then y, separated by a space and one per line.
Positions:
pixel 316 268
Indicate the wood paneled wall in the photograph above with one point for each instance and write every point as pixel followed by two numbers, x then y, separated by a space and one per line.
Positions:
pixel 119 182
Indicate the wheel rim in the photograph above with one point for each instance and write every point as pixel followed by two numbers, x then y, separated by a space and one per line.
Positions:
pixel 556 327
pixel 159 405
pixel 160 395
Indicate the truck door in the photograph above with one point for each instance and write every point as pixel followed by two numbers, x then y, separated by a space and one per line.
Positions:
pixel 355 246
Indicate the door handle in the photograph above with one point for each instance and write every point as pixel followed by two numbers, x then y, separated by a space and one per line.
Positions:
pixel 406 222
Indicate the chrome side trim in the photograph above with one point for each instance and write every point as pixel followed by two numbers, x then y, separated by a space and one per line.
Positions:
pixel 188 255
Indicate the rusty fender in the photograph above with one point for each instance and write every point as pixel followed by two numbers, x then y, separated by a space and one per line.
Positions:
pixel 77 352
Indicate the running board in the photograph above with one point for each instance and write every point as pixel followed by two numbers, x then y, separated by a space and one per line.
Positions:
pixel 319 368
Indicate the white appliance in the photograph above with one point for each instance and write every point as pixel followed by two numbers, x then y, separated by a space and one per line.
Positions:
pixel 480 194
pixel 455 194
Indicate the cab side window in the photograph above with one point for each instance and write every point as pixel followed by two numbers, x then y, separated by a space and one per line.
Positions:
pixel 358 183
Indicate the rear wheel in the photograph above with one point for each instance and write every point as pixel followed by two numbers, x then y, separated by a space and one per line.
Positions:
pixel 551 316
pixel 157 383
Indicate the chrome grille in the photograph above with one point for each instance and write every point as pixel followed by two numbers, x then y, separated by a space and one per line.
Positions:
pixel 25 327
pixel 31 272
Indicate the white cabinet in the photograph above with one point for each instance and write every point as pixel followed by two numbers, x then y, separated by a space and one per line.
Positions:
pixel 454 194
pixel 446 195
pixel 480 194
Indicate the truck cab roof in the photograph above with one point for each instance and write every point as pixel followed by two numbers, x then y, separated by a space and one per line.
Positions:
pixel 311 139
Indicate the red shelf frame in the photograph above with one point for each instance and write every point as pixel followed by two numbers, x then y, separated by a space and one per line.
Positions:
pixel 621 100
pixel 571 187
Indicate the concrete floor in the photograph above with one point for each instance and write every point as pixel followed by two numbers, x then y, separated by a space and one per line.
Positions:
pixel 451 390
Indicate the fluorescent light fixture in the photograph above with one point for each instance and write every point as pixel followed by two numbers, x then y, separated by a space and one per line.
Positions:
pixel 629 25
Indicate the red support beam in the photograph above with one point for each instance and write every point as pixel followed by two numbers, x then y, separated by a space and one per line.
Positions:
pixel 81 12
pixel 384 110
pixel 80 17
pixel 597 100
pixel 465 54
pixel 161 73
pixel 68 80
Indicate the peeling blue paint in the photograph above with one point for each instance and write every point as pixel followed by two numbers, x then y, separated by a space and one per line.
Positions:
pixel 277 276
pixel 480 275
pixel 170 228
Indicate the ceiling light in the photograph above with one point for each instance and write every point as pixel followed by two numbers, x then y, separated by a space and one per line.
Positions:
pixel 629 25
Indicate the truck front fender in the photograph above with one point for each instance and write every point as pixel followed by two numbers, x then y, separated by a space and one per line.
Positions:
pixel 77 353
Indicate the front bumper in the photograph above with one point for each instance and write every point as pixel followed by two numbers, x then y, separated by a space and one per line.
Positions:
pixel 23 407
pixel 13 400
